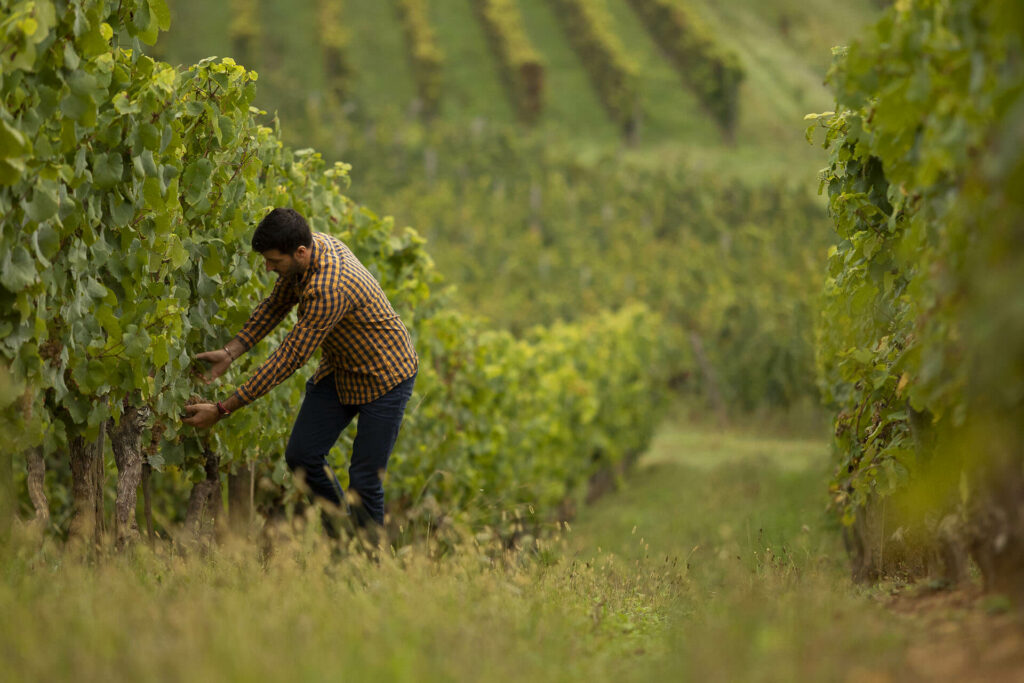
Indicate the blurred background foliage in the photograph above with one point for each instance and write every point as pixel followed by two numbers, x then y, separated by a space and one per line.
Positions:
pixel 565 215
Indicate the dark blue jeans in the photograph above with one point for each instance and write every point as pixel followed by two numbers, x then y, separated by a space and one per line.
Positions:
pixel 321 420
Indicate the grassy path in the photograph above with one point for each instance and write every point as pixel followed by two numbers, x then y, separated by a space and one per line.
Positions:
pixel 713 562
pixel 766 594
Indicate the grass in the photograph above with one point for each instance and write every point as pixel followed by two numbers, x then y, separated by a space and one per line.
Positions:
pixel 570 103
pixel 767 594
pixel 715 561
pixel 671 111
pixel 383 76
pixel 471 75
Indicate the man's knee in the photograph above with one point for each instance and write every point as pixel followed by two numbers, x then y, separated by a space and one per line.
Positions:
pixel 366 484
pixel 368 487
pixel 296 458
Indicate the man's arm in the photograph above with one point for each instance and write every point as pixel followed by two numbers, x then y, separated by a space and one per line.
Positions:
pixel 265 317
pixel 324 308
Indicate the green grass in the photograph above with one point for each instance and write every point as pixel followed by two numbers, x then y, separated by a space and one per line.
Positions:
pixel 767 595
pixel 472 79
pixel 571 105
pixel 785 72
pixel 383 78
pixel 671 110
pixel 291 69
pixel 715 561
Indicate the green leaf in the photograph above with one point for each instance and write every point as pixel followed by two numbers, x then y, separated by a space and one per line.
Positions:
pixel 44 204
pixel 227 129
pixel 96 375
pixel 47 240
pixel 151 193
pixel 151 33
pixel 205 286
pixel 84 84
pixel 149 136
pixel 11 171
pixel 107 170
pixel 148 164
pixel 213 264
pixel 121 212
pixel 95 289
pixel 176 252
pixel 159 352
pixel 122 105
pixel 28 26
pixel 106 317
pixel 12 142
pixel 197 180
pixel 71 58
pixel 162 13
pixel 19 269
pixel 79 108
pixel 863 356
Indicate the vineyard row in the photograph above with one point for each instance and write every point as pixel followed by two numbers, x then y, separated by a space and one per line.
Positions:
pixel 135 187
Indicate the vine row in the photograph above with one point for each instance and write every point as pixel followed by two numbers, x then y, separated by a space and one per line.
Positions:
pixel 522 67
pixel 613 73
pixel 711 71
pixel 425 54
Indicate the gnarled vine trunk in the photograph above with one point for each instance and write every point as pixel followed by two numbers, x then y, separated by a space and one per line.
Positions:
pixel 87 488
pixel 240 494
pixel 126 442
pixel 204 501
pixel 36 467
pixel 889 539
pixel 147 498
pixel 997 525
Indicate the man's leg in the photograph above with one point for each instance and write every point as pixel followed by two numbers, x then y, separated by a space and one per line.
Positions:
pixel 321 419
pixel 376 434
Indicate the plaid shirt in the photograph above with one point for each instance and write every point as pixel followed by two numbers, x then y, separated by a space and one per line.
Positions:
pixel 343 309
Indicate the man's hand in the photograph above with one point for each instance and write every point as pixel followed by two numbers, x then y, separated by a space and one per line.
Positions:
pixel 219 361
pixel 202 415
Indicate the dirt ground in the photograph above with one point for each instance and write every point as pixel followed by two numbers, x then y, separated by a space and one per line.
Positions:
pixel 960 634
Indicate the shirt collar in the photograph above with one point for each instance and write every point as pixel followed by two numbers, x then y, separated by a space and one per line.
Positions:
pixel 314 259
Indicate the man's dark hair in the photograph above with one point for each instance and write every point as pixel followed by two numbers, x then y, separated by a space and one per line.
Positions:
pixel 282 229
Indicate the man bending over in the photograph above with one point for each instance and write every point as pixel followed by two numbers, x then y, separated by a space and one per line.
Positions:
pixel 367 369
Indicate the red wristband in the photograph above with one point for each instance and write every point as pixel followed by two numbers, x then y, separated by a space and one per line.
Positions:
pixel 222 409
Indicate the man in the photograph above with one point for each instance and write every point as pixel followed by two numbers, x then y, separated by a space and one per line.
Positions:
pixel 368 366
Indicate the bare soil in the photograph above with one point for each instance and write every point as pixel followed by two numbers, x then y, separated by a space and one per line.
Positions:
pixel 960 634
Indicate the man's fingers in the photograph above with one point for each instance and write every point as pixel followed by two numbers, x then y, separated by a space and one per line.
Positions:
pixel 192 409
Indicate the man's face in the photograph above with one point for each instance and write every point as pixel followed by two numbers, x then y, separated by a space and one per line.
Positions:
pixel 282 264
